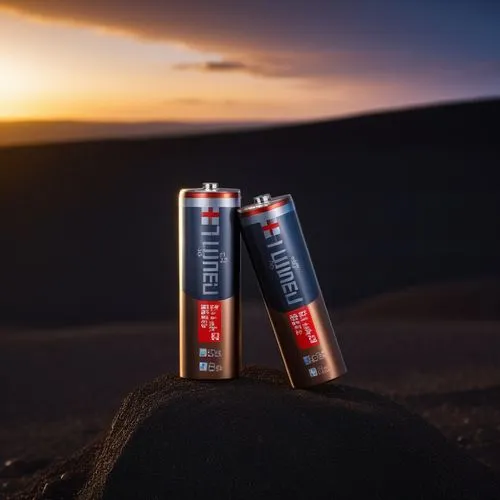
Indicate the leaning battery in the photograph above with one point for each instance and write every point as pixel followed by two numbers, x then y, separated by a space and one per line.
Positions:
pixel 279 254
pixel 209 283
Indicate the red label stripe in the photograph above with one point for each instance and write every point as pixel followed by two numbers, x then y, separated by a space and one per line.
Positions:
pixel 209 321
pixel 260 210
pixel 303 328
pixel 227 194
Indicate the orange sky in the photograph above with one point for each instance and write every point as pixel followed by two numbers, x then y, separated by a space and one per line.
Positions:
pixel 56 69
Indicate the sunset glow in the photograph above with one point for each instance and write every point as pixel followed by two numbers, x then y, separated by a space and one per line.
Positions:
pixel 76 65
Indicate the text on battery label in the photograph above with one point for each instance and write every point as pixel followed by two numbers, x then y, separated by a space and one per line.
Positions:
pixel 281 262
pixel 210 241
pixel 302 326
pixel 209 321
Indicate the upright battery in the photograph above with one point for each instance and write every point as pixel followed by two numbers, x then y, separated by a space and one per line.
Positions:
pixel 273 236
pixel 209 283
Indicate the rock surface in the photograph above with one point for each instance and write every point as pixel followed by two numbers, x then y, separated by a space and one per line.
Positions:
pixel 257 438
pixel 17 467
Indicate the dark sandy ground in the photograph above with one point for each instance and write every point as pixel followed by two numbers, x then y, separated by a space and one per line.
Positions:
pixel 60 388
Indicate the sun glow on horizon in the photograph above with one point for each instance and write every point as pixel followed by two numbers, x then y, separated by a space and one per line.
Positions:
pixel 20 83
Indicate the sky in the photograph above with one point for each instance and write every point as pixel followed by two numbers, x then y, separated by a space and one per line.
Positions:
pixel 200 60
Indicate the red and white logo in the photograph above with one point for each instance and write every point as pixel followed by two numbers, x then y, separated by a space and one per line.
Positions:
pixel 209 217
pixel 272 228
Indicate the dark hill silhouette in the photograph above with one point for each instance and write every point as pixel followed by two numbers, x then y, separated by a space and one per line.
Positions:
pixel 52 131
pixel 452 301
pixel 88 230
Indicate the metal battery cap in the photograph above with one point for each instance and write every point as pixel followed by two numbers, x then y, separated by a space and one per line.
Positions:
pixel 210 186
pixel 262 198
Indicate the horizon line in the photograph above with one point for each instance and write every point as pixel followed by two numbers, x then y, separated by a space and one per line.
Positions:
pixel 367 112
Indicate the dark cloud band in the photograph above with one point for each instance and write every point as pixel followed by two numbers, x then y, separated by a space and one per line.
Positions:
pixel 214 66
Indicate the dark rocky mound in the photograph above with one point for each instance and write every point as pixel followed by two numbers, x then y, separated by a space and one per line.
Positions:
pixel 257 438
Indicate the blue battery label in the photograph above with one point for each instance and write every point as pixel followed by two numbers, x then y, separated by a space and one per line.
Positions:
pixel 281 259
pixel 209 252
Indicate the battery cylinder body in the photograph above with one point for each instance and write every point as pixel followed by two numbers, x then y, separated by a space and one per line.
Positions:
pixel 209 283
pixel 273 236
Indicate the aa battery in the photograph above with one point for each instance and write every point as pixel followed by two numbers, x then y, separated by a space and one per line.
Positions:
pixel 209 283
pixel 275 242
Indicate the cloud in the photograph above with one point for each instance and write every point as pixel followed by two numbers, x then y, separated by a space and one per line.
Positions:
pixel 265 67
pixel 214 66
pixel 301 38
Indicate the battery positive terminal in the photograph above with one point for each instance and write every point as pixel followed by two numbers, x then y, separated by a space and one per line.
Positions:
pixel 210 186
pixel 262 198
